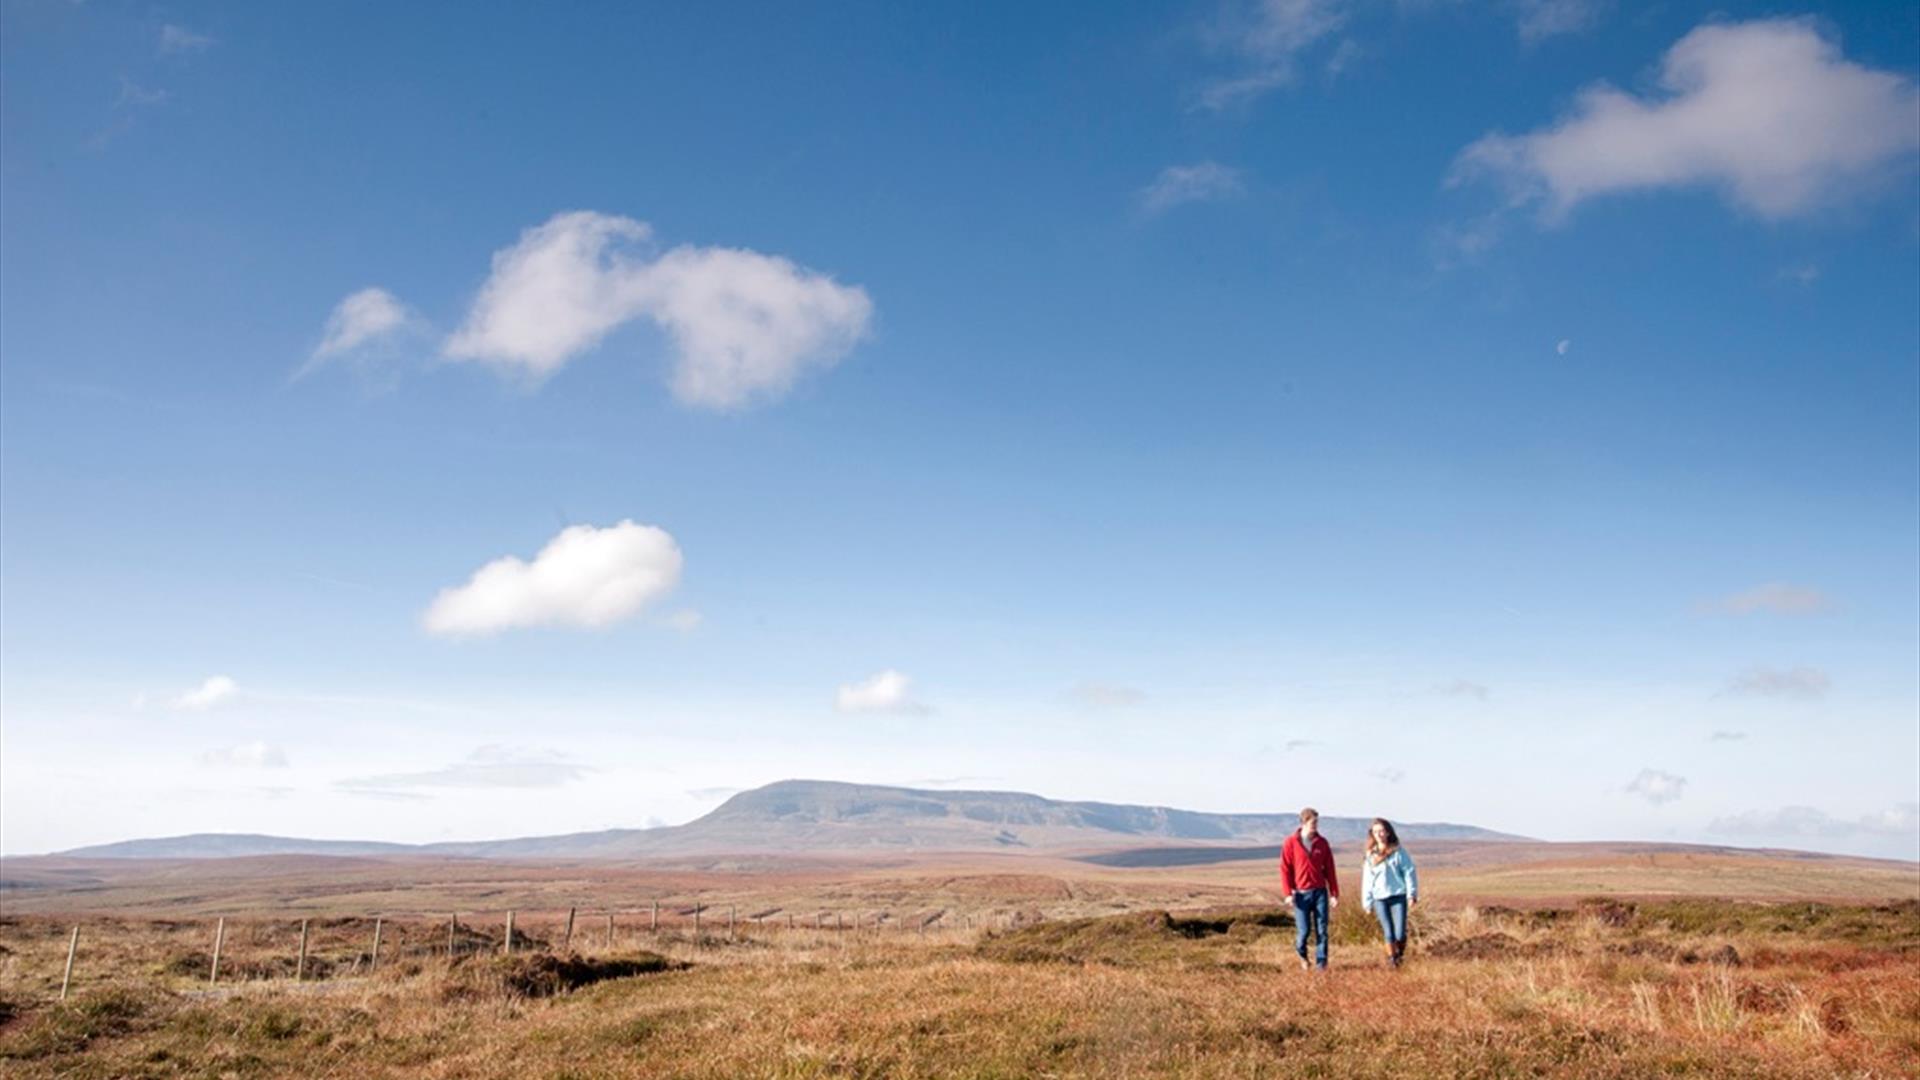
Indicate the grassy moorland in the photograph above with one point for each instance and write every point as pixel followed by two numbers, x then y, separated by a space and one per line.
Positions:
pixel 1602 988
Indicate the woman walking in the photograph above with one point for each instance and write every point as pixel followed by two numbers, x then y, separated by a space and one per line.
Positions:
pixel 1388 886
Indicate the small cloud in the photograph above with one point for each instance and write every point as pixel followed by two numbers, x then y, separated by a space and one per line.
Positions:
pixel 1657 787
pixel 1773 598
pixel 1800 683
pixel 217 689
pixel 584 577
pixel 175 40
pixel 1207 181
pixel 1107 695
pixel 686 620
pixel 713 794
pixel 884 692
pixel 1727 736
pixel 363 318
pixel 654 821
pixel 1561 349
pixel 1803 274
pixel 253 755
pixel 1272 36
pixel 490 766
pixel 1767 112
pixel 1292 745
pixel 1391 776
pixel 1463 688
pixel 1542 19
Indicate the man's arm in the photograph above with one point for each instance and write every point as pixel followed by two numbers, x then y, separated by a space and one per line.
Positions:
pixel 1286 868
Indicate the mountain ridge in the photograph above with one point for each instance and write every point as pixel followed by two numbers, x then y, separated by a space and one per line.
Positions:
pixel 805 816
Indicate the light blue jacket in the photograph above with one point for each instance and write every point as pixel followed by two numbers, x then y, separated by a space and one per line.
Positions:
pixel 1391 876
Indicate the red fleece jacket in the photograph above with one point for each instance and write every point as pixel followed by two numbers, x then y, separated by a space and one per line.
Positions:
pixel 1304 868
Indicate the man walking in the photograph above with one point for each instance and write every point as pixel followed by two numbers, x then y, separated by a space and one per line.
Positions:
pixel 1307 877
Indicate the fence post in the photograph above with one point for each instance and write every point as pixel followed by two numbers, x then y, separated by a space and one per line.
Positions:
pixel 609 930
pixel 789 920
pixel 453 924
pixel 73 942
pixel 696 922
pixel 374 961
pixel 566 943
pixel 507 946
pixel 654 926
pixel 300 966
pixel 219 936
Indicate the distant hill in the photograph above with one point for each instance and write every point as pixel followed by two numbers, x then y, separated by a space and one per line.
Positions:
pixel 804 816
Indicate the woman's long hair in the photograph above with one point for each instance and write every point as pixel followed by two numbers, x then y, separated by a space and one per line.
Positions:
pixel 1377 850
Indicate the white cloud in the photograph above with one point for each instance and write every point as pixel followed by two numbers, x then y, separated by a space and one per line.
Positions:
pixel 1774 598
pixel 1463 688
pixel 1801 274
pixel 1562 348
pixel 362 318
pixel 179 39
pixel 253 755
pixel 1803 683
pixel 585 576
pixel 744 325
pixel 1272 34
pixel 884 692
pixel 133 95
pixel 1390 776
pixel 1901 821
pixel 217 689
pixel 1203 182
pixel 1657 787
pixel 1108 695
pixel 487 767
pixel 1768 112
pixel 1541 19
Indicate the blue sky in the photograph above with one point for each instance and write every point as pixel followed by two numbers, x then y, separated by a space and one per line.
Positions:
pixel 1501 413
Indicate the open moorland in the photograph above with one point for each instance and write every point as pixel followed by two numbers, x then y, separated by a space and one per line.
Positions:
pixel 1527 959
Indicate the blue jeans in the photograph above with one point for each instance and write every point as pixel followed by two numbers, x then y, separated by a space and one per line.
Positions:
pixel 1392 913
pixel 1309 915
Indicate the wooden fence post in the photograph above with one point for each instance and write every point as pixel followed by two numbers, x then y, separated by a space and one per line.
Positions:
pixel 696 922
pixel 609 931
pixel 374 960
pixel 73 942
pixel 453 924
pixel 507 946
pixel 219 936
pixel 300 966
pixel 654 926
pixel 789 920
pixel 566 943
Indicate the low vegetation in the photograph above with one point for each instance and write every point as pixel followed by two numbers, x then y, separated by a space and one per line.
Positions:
pixel 1609 988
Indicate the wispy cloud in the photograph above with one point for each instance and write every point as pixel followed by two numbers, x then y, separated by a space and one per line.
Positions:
pixel 1206 181
pixel 1656 786
pixel 1464 688
pixel 1900 822
pixel 1800 683
pixel 361 320
pixel 1270 37
pixel 1727 736
pixel 1542 19
pixel 492 766
pixel 216 690
pixel 886 692
pixel 1767 112
pixel 744 326
pixel 1107 695
pixel 1773 598
pixel 584 577
pixel 175 39
pixel 1391 776
pixel 251 755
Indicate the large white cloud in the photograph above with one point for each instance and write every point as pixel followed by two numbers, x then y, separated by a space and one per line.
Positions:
pixel 585 576
pixel 1768 112
pixel 744 325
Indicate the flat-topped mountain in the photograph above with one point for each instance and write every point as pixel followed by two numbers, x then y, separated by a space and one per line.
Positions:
pixel 807 816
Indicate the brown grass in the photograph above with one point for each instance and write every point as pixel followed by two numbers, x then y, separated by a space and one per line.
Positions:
pixel 1602 989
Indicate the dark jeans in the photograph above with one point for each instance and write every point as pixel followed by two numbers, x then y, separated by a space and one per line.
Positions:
pixel 1392 913
pixel 1309 915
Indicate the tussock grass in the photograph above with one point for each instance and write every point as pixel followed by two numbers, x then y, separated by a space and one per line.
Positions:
pixel 1211 993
